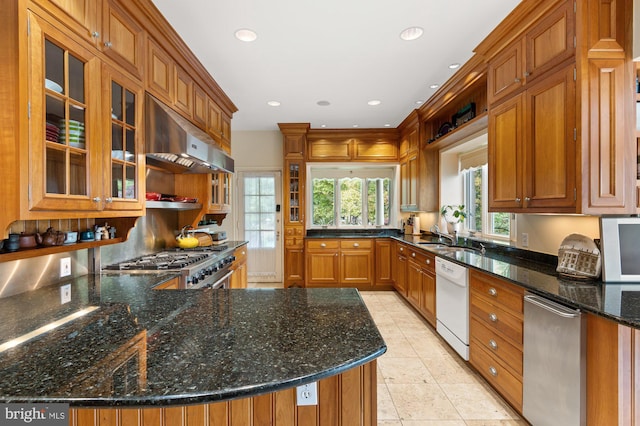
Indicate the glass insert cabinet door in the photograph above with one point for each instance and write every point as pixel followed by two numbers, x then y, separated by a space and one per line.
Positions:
pixel 122 103
pixel 62 116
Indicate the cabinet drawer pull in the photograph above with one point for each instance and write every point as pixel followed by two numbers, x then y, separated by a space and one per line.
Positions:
pixel 493 344
pixel 493 371
pixel 493 292
pixel 356 245
pixel 401 248
pixel 428 261
pixel 413 255
pixel 493 317
pixel 323 245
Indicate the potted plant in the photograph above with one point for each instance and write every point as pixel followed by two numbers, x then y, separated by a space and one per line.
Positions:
pixel 454 215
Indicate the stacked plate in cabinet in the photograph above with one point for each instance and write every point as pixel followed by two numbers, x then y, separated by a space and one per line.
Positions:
pixel 52 132
pixel 74 131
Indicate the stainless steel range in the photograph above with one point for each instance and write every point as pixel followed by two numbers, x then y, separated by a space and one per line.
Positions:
pixel 200 267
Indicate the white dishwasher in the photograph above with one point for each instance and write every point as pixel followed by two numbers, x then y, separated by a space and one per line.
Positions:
pixel 452 305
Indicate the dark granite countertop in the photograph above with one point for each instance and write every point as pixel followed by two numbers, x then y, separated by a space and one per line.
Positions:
pixel 537 273
pixel 355 233
pixel 136 346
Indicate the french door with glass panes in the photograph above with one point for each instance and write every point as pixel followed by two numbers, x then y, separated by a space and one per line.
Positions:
pixel 260 199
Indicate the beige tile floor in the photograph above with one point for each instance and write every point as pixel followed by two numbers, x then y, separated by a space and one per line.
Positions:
pixel 421 381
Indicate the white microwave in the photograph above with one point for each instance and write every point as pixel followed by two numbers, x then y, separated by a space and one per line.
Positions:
pixel 620 247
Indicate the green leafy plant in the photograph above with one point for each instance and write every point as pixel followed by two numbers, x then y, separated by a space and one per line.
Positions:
pixel 453 213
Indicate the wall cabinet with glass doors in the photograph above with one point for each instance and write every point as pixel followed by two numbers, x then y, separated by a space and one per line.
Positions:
pixel 85 136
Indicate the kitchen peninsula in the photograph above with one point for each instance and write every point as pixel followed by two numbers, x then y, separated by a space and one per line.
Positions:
pixel 119 344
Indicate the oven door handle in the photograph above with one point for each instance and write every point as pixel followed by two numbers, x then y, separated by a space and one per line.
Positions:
pixel 224 278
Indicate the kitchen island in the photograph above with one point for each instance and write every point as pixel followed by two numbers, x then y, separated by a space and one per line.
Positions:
pixel 213 356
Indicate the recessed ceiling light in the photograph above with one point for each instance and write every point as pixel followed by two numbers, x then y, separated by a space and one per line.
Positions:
pixel 419 102
pixel 273 103
pixel 355 125
pixel 374 102
pixel 387 125
pixel 454 66
pixel 323 103
pixel 411 33
pixel 434 86
pixel 245 34
pixel 323 125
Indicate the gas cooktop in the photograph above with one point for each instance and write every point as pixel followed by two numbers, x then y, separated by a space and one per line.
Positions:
pixel 164 260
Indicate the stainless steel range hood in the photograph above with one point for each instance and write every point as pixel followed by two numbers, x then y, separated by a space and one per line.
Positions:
pixel 176 145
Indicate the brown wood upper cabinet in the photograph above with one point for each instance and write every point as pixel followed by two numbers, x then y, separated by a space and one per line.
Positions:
pixel 410 157
pixel 561 90
pixel 183 92
pixel 359 148
pixel 122 39
pixel 160 69
pixel 546 44
pixel 81 16
pixel 532 148
pixel 85 120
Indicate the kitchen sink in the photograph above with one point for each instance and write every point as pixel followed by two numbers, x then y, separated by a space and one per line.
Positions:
pixel 445 249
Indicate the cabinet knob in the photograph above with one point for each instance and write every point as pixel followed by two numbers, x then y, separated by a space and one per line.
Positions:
pixel 493 317
pixel 95 34
pixel 493 371
pixel 97 199
pixel 413 255
pixel 527 199
pixel 518 200
pixel 323 245
pixel 428 261
pixel 493 344
pixel 493 292
pixel 356 245
pixel 107 44
pixel 517 80
pixel 401 248
pixel 108 200
pixel 527 73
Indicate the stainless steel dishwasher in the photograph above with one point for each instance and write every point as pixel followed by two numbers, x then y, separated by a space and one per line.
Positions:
pixel 554 381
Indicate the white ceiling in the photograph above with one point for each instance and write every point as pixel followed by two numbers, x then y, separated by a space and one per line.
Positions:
pixel 347 52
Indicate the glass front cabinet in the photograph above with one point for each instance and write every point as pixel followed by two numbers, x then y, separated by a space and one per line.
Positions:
pixel 84 118
pixel 220 193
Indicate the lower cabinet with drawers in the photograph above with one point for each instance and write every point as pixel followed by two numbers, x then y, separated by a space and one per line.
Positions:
pixel 339 262
pixel 415 279
pixel 495 331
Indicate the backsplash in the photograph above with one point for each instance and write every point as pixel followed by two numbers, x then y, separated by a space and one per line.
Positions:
pixel 151 233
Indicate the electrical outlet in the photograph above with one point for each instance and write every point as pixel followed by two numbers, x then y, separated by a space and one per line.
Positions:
pixel 525 239
pixel 307 394
pixel 65 294
pixel 65 267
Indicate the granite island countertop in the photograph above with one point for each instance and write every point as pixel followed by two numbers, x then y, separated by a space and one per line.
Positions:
pixel 619 302
pixel 126 344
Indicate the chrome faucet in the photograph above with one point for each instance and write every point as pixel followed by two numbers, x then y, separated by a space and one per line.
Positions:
pixel 435 230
